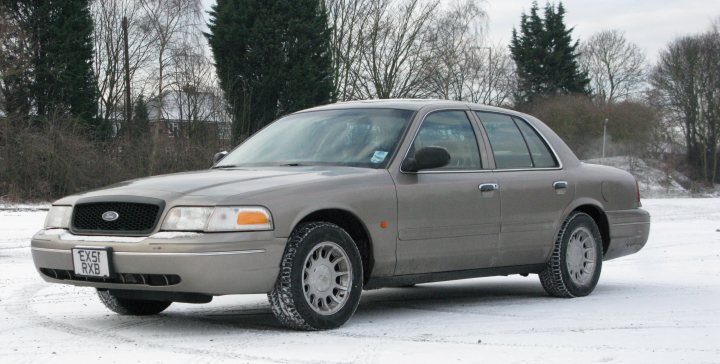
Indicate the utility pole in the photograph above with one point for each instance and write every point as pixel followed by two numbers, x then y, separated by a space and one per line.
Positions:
pixel 604 138
pixel 128 103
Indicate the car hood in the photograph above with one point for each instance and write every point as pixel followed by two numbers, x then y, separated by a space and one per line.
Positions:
pixel 218 186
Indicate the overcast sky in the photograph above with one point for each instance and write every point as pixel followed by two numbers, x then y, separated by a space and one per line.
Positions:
pixel 651 24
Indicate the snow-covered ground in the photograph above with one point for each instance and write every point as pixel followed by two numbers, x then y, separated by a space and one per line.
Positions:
pixel 660 305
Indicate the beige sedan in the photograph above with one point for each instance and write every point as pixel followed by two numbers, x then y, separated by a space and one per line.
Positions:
pixel 326 202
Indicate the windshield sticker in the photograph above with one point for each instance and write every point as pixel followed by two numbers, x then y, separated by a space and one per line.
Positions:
pixel 378 156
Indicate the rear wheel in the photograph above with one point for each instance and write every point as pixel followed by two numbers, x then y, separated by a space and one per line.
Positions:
pixel 575 265
pixel 125 306
pixel 320 280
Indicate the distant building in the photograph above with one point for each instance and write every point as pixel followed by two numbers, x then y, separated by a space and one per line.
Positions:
pixel 188 110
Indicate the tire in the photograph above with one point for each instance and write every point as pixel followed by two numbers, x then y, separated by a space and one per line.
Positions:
pixel 576 261
pixel 125 306
pixel 309 294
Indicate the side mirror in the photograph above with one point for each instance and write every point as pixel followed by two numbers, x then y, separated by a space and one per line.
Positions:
pixel 219 156
pixel 427 158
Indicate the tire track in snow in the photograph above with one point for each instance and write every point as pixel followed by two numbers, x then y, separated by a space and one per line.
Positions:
pixel 30 293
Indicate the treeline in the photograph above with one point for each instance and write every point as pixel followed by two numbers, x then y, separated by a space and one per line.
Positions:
pixel 76 113
pixel 582 88
pixel 281 56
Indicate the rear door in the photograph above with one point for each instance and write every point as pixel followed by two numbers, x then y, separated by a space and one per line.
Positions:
pixel 533 188
pixel 445 221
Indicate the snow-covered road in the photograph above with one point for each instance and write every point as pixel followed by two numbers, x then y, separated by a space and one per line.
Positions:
pixel 660 305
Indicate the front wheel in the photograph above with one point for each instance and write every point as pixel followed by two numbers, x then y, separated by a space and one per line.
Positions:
pixel 320 280
pixel 576 261
pixel 126 306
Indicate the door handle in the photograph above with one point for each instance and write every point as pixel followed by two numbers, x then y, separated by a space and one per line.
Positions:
pixel 560 185
pixel 488 187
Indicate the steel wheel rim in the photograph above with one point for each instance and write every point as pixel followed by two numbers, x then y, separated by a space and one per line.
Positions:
pixel 327 278
pixel 581 256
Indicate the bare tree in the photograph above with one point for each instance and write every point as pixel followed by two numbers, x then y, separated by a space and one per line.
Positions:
pixel 395 48
pixel 347 19
pixel 461 65
pixel 415 48
pixel 687 85
pixel 616 67
pixel 170 21
pixel 195 100
pixel 108 65
pixel 453 39
pixel 490 77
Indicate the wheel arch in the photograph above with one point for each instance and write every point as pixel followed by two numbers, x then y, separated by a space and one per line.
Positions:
pixel 354 226
pixel 601 220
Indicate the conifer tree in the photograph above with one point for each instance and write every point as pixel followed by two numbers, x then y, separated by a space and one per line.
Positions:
pixel 308 68
pixel 272 58
pixel 61 82
pixel 546 56
pixel 140 119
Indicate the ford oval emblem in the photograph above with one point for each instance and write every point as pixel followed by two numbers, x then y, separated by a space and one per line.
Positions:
pixel 110 216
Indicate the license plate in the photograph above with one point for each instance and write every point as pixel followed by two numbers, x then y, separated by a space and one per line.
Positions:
pixel 91 262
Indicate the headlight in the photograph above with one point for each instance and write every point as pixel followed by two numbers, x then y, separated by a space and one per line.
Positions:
pixel 187 218
pixel 218 219
pixel 240 219
pixel 58 217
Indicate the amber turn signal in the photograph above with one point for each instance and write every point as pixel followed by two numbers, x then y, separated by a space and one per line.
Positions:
pixel 252 218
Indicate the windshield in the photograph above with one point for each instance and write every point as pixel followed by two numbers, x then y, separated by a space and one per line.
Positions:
pixel 349 137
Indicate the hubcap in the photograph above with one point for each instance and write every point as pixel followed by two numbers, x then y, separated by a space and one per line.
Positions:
pixel 327 278
pixel 581 256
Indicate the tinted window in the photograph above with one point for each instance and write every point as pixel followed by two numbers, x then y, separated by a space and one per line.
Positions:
pixel 507 143
pixel 451 130
pixel 352 137
pixel 539 151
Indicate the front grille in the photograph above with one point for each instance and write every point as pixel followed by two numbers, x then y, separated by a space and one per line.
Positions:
pixel 119 278
pixel 132 218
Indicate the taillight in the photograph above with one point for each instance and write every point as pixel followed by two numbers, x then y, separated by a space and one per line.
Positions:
pixel 637 189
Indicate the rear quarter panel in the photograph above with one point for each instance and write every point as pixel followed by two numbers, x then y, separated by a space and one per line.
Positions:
pixel 612 188
pixel 615 192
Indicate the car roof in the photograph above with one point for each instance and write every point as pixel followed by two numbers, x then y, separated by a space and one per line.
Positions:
pixel 408 104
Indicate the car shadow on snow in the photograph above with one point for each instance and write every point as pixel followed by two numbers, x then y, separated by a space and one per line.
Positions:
pixel 464 295
pixel 473 293
pixel 474 296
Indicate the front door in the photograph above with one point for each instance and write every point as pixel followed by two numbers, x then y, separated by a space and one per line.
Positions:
pixel 446 220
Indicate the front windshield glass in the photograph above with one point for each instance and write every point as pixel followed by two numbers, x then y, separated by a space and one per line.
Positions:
pixel 349 137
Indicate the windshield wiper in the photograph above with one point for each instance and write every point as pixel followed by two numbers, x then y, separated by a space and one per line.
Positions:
pixel 227 166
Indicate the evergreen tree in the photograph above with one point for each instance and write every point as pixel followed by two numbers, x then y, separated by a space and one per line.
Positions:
pixel 59 37
pixel 141 119
pixel 137 157
pixel 272 58
pixel 308 80
pixel 546 56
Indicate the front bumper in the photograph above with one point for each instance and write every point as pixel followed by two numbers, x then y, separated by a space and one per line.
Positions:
pixel 629 231
pixel 210 263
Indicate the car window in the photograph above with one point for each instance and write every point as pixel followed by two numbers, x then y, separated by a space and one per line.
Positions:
pixel 451 130
pixel 344 137
pixel 539 151
pixel 506 141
